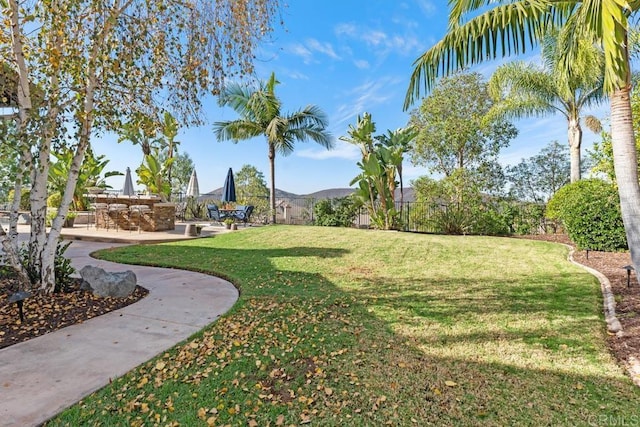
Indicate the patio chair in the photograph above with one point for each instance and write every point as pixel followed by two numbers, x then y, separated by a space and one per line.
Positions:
pixel 243 213
pixel 213 212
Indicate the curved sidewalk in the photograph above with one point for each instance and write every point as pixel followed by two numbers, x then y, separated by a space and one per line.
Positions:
pixel 42 376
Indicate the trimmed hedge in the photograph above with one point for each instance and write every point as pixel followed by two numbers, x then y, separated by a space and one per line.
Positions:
pixel 590 212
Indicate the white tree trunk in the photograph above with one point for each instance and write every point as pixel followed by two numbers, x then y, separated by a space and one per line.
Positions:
pixel 626 168
pixel 10 241
pixel 575 140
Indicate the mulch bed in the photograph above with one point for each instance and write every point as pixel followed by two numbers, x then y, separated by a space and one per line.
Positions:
pixel 45 314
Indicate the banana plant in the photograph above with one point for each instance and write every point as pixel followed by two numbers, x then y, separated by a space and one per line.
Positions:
pixel 152 173
pixel 91 175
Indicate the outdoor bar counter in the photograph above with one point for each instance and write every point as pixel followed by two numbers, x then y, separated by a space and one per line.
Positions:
pixel 146 213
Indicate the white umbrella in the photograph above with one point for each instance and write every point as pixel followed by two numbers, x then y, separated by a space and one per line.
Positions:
pixel 193 190
pixel 127 189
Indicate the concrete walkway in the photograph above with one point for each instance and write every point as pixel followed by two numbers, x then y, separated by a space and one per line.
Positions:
pixel 42 376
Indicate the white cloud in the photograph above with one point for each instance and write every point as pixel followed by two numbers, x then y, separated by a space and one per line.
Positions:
pixel 373 37
pixel 427 7
pixel 306 51
pixel 324 48
pixel 296 75
pixel 361 63
pixel 301 51
pixel 346 29
pixel 364 98
pixel 380 42
pixel 341 150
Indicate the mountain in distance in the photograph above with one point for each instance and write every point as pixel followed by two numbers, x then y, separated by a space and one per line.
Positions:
pixel 330 193
pixel 217 194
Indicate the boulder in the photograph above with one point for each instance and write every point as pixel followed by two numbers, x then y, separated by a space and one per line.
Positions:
pixel 107 284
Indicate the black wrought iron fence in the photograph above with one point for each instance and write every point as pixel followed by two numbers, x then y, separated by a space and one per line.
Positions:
pixel 413 216
pixel 426 217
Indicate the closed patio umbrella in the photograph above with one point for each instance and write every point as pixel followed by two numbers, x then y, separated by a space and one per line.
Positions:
pixel 127 189
pixel 229 188
pixel 193 189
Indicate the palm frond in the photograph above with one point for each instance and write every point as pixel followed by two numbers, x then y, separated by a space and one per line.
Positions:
pixel 504 30
pixel 236 130
pixel 607 21
pixel 593 123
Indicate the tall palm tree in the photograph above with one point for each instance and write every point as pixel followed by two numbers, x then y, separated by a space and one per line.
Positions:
pixel 524 90
pixel 260 114
pixel 484 29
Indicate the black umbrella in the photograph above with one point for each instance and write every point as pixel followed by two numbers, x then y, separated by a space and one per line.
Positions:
pixel 229 188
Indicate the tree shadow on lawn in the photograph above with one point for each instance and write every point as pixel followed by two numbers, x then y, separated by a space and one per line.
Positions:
pixel 452 299
pixel 322 341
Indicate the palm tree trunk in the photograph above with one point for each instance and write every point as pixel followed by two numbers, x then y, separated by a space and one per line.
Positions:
pixel 575 140
pixel 272 172
pixel 626 168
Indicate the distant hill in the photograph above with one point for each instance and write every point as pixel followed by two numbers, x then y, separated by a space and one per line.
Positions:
pixel 217 194
pixel 331 193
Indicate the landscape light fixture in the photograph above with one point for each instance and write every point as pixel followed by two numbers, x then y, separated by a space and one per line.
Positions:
pixel 628 268
pixel 19 298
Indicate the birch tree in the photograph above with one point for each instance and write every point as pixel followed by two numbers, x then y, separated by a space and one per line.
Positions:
pixel 100 62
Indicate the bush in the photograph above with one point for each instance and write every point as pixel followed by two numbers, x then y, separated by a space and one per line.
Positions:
pixel 62 267
pixel 339 212
pixel 489 220
pixel 590 212
pixel 523 217
pixel 54 200
pixel 25 204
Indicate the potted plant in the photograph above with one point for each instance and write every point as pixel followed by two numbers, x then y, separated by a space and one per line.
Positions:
pixel 227 222
pixel 69 219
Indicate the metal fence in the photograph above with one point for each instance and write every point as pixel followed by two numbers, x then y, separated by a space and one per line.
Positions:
pixel 414 216
pixel 422 217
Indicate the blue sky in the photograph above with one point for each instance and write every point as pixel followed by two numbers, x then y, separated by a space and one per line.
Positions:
pixel 346 57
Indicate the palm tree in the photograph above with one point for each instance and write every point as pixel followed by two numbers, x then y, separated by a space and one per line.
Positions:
pixel 260 114
pixel 480 30
pixel 524 90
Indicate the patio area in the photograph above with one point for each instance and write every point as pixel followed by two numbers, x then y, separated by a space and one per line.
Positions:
pixel 91 233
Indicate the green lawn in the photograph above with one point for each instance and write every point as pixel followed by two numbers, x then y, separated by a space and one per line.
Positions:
pixel 354 327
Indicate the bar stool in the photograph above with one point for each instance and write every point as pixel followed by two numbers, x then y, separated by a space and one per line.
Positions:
pixel 94 207
pixel 117 209
pixel 140 210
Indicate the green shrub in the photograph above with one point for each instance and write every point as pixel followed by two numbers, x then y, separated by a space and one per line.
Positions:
pixel 523 217
pixel 62 267
pixel 25 204
pixel 489 220
pixel 338 212
pixel 590 212
pixel 451 219
pixel 54 200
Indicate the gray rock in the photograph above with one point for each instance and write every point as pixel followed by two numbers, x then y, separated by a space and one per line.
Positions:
pixel 106 284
